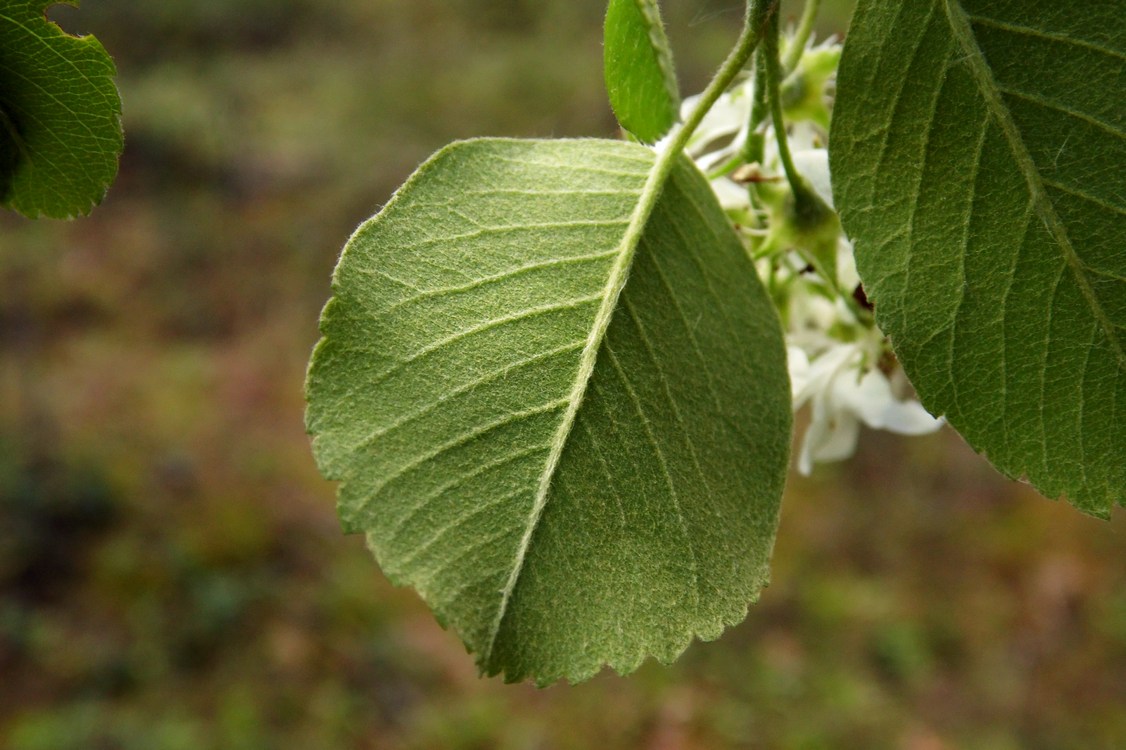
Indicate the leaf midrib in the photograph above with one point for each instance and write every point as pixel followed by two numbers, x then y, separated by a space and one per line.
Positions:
pixel 962 32
pixel 619 273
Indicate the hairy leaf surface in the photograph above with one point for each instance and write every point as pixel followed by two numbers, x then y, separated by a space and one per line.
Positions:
pixel 563 499
pixel 640 79
pixel 60 129
pixel 978 151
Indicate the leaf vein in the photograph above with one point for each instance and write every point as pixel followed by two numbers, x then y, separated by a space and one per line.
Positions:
pixel 673 495
pixel 1045 35
pixel 488 231
pixel 1082 195
pixel 484 468
pixel 465 388
pixel 454 595
pixel 666 387
pixel 987 86
pixel 1010 280
pixel 485 326
pixel 454 525
pixel 901 88
pixel 1056 106
pixel 688 327
pixel 463 439
pixel 600 454
pixel 966 226
pixel 510 274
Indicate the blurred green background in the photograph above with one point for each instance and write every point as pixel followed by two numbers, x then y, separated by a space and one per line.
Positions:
pixel 171 571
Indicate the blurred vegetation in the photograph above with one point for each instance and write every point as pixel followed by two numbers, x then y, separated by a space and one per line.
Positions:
pixel 171 571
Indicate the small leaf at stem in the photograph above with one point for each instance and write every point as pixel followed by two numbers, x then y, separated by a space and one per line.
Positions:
pixel 640 78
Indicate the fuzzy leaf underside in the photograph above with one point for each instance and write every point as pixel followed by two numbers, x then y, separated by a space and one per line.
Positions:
pixel 978 151
pixel 60 115
pixel 440 394
pixel 638 65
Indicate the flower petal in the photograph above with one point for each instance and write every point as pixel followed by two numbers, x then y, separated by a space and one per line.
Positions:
pixel 797 362
pixel 731 196
pixel 831 435
pixel 813 164
pixel 873 401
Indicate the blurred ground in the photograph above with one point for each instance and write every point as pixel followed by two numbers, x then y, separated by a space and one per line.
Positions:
pixel 171 571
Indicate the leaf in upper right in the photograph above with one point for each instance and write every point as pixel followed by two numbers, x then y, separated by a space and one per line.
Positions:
pixel 560 519
pixel 978 153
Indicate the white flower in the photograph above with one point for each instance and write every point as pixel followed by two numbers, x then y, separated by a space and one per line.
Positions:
pixel 813 164
pixel 847 275
pixel 731 197
pixel 728 118
pixel 845 392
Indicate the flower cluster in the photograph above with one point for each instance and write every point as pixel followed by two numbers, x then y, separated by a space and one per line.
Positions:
pixel 839 361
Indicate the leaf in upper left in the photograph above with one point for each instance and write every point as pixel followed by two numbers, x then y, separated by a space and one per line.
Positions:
pixel 60 116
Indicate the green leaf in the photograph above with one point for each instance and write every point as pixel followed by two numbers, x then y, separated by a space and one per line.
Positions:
pixel 565 488
pixel 639 69
pixel 60 115
pixel 977 157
